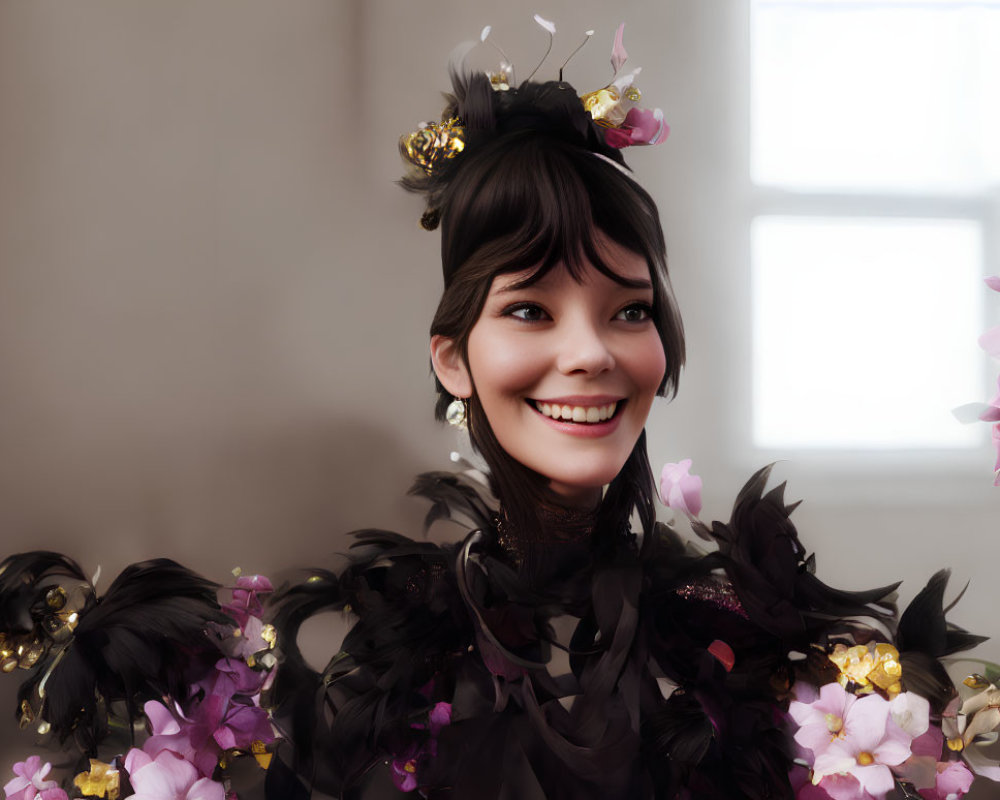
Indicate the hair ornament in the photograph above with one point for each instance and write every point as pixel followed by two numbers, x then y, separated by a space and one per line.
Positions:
pixel 550 28
pixel 503 78
pixel 616 106
pixel 432 144
pixel 485 105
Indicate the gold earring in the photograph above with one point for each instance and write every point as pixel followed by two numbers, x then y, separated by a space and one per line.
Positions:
pixel 456 412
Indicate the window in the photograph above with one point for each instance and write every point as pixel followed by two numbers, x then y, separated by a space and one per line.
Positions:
pixel 875 169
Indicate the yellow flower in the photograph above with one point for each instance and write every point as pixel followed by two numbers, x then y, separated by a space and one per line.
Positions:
pixel 101 781
pixel 865 667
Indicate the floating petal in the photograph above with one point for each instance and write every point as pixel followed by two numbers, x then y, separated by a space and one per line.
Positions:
pixel 990 341
pixel 618 54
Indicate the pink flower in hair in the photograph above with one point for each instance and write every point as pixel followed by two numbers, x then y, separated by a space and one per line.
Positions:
pixel 641 126
pixel 679 489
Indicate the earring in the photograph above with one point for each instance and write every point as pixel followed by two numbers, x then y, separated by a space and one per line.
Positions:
pixel 456 412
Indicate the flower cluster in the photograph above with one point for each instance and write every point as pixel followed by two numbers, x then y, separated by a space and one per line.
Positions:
pixel 859 717
pixel 222 718
pixel 858 745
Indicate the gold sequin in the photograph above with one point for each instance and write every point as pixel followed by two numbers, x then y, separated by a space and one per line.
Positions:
pixel 269 635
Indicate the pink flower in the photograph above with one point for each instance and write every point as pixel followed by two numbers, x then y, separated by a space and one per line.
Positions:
pixel 168 777
pixel 30 783
pixel 185 738
pixel 990 341
pixel 869 745
pixel 641 126
pixel 679 490
pixel 227 717
pixel 858 737
pixel 992 412
pixel 952 781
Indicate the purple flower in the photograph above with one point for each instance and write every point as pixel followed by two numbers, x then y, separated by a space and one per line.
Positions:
pixel 405 766
pixel 30 783
pixel 680 490
pixel 185 738
pixel 167 776
pixel 245 602
pixel 227 717
pixel 404 772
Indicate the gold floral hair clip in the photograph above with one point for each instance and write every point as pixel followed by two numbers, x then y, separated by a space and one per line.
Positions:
pixel 614 108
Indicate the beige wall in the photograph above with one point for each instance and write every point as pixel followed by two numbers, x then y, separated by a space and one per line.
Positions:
pixel 214 301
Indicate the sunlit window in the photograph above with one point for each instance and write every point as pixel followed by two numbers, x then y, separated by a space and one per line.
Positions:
pixel 864 331
pixel 875 161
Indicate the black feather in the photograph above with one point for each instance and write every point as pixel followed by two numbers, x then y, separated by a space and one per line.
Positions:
pixel 146 637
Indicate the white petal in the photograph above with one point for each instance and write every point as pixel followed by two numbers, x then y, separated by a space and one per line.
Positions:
pixel 486 33
pixel 549 26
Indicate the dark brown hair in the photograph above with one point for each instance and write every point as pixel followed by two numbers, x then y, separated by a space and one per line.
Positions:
pixel 530 199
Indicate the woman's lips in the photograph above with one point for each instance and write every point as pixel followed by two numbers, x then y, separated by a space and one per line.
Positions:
pixel 588 419
pixel 572 412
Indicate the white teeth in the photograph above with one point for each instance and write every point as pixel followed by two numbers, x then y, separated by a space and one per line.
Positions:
pixel 588 414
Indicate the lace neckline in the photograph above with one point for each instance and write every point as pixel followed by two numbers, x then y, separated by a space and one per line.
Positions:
pixel 560 526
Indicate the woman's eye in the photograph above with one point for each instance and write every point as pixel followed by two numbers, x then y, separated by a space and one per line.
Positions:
pixel 636 312
pixel 528 312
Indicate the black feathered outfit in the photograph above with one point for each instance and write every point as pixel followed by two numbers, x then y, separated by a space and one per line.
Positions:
pixel 681 665
pixel 680 669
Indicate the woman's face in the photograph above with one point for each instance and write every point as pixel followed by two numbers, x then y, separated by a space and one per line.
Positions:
pixel 566 371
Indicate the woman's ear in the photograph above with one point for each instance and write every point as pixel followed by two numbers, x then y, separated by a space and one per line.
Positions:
pixel 449 366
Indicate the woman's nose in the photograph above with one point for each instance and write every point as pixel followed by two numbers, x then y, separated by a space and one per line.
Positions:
pixel 584 348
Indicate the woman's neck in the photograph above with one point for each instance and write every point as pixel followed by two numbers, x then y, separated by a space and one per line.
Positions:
pixel 560 525
pixel 585 498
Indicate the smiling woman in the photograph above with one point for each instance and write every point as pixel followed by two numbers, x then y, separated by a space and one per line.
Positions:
pixel 565 368
pixel 567 645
